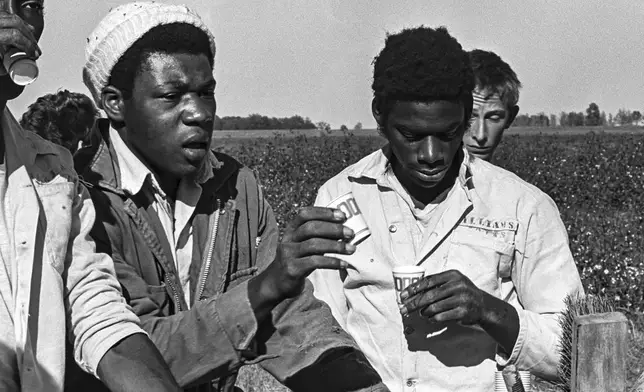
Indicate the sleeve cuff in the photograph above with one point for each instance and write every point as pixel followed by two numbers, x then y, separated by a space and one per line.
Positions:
pixel 236 318
pixel 100 343
pixel 502 358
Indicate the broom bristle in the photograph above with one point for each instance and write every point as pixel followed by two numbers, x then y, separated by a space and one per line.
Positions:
pixel 575 306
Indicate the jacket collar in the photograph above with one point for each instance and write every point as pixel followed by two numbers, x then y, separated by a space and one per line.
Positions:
pixel 102 168
pixel 22 148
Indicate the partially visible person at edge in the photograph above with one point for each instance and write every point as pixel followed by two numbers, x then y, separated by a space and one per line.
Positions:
pixel 496 98
pixel 194 241
pixel 54 287
pixel 473 226
pixel 64 118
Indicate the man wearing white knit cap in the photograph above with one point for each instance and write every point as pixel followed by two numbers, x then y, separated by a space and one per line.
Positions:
pixel 194 242
pixel 54 287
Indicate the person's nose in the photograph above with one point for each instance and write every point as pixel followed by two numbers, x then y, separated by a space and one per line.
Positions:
pixel 200 112
pixel 478 130
pixel 429 151
pixel 9 6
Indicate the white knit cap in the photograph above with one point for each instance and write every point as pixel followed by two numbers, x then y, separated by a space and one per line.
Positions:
pixel 120 29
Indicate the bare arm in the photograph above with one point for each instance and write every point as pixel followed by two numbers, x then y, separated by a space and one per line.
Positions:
pixel 501 321
pixel 135 364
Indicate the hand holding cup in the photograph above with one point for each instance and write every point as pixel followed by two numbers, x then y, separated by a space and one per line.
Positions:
pixel 18 47
pixel 355 220
pixel 314 233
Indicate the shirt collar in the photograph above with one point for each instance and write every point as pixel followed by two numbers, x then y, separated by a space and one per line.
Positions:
pixel 134 173
pixel 21 147
pixel 376 165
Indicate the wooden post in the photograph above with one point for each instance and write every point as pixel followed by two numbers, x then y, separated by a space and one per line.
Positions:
pixel 599 343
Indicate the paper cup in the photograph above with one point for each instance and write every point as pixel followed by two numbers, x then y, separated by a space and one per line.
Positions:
pixel 406 275
pixel 22 69
pixel 526 380
pixel 499 382
pixel 524 376
pixel 355 221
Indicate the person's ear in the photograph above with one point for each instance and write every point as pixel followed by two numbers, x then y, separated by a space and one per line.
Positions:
pixel 514 111
pixel 113 103
pixel 377 114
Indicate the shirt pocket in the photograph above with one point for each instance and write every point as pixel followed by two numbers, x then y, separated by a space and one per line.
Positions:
pixel 57 198
pixel 484 256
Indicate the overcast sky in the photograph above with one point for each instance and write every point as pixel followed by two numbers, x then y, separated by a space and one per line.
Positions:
pixel 313 58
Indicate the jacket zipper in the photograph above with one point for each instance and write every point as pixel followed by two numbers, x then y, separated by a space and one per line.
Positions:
pixel 206 269
pixel 175 294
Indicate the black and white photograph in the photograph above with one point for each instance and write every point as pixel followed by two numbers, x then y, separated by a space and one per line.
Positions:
pixel 321 196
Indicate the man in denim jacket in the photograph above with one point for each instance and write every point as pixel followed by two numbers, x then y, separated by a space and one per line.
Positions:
pixel 193 239
pixel 472 226
pixel 56 293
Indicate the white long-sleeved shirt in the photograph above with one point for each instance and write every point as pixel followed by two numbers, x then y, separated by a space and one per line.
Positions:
pixel 61 288
pixel 501 232
pixel 10 379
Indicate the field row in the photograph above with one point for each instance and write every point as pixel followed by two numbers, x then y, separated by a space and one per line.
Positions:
pixel 597 181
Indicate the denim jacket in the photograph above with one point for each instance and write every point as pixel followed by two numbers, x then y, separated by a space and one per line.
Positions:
pixel 235 236
pixel 504 234
pixel 62 290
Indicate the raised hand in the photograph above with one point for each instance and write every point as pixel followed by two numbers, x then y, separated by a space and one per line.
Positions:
pixel 314 232
pixel 14 32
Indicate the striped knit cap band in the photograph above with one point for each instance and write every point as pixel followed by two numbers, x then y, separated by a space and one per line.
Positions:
pixel 120 29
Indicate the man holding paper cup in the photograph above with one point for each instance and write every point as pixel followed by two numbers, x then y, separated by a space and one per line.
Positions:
pixel 194 241
pixel 423 295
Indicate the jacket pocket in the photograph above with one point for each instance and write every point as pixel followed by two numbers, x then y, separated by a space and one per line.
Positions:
pixel 158 294
pixel 246 272
pixel 484 257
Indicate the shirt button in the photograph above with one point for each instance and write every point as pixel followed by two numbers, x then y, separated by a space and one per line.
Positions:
pixel 393 228
pixel 409 330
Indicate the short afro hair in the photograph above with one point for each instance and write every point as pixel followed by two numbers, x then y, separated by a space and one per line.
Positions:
pixel 171 38
pixel 422 64
pixel 494 75
pixel 63 118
